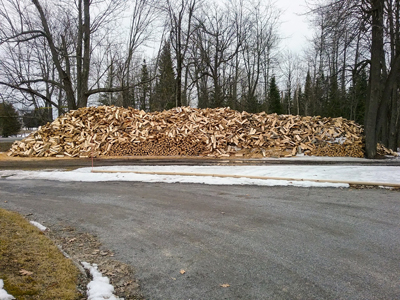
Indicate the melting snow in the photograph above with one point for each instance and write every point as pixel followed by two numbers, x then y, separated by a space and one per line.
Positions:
pixel 3 294
pixel 99 288
pixel 38 225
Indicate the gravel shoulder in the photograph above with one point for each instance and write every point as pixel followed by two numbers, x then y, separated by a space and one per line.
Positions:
pixel 84 247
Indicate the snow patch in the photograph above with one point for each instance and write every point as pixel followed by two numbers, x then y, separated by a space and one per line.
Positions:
pixel 99 288
pixel 339 140
pixel 38 225
pixel 3 294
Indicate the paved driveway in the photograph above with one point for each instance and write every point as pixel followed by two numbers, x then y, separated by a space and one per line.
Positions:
pixel 265 242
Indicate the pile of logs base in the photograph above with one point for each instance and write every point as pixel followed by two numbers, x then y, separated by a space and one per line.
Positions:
pixel 185 131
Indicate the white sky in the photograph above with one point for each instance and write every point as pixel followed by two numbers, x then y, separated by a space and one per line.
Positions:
pixel 294 25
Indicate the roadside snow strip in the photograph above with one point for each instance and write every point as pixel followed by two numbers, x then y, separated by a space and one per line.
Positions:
pixel 299 173
pixel 99 288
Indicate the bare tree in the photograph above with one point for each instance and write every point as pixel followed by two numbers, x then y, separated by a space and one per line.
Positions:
pixel 290 67
pixel 366 33
pixel 218 45
pixel 180 16
pixel 71 33
pixel 142 18
pixel 260 38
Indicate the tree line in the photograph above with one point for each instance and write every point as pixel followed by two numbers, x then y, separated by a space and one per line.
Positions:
pixel 73 53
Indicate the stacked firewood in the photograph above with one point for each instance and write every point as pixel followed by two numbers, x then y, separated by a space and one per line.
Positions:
pixel 185 131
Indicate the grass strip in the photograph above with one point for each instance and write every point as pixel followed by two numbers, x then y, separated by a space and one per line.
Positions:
pixel 31 266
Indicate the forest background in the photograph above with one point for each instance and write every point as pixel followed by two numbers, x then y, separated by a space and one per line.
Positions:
pixel 57 56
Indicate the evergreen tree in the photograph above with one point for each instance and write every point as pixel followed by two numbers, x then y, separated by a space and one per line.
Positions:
pixel 275 105
pixel 9 123
pixel 357 96
pixel 252 105
pixel 307 96
pixel 299 96
pixel 287 106
pixel 36 118
pixel 203 96
pixel 164 94
pixel 319 95
pixel 333 107
pixel 144 86
pixel 109 98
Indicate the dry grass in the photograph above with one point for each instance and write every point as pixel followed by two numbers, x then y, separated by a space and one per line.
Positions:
pixel 23 247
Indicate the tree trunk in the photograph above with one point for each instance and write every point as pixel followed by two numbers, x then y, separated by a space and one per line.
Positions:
pixel 179 81
pixel 66 79
pixel 394 121
pixel 375 89
pixel 82 93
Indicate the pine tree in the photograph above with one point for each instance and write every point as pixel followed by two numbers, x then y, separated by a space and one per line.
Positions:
pixel 109 98
pixel 320 90
pixel 300 99
pixel 164 93
pixel 333 107
pixel 307 96
pixel 9 123
pixel 252 105
pixel 35 118
pixel 358 95
pixel 275 105
pixel 144 86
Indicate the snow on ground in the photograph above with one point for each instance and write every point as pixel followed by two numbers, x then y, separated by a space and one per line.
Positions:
pixel 38 225
pixel 3 294
pixel 99 288
pixel 343 173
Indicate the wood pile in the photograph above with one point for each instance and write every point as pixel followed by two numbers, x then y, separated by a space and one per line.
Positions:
pixel 185 131
pixel 383 151
pixel 338 150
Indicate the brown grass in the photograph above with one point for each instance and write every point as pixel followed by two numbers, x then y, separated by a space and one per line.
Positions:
pixel 24 247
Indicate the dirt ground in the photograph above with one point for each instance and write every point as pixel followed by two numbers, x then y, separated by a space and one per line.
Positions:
pixel 81 246
pixel 67 163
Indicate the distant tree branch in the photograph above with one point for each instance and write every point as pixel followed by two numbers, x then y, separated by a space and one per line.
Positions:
pixel 29 91
pixel 17 37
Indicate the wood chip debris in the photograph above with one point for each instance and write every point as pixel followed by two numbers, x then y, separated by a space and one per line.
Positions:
pixel 24 272
pixel 186 131
pixel 225 285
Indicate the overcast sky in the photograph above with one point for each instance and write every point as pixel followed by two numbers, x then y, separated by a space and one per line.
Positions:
pixel 294 25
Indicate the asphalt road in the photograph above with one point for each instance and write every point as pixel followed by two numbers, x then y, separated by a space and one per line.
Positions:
pixel 265 242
